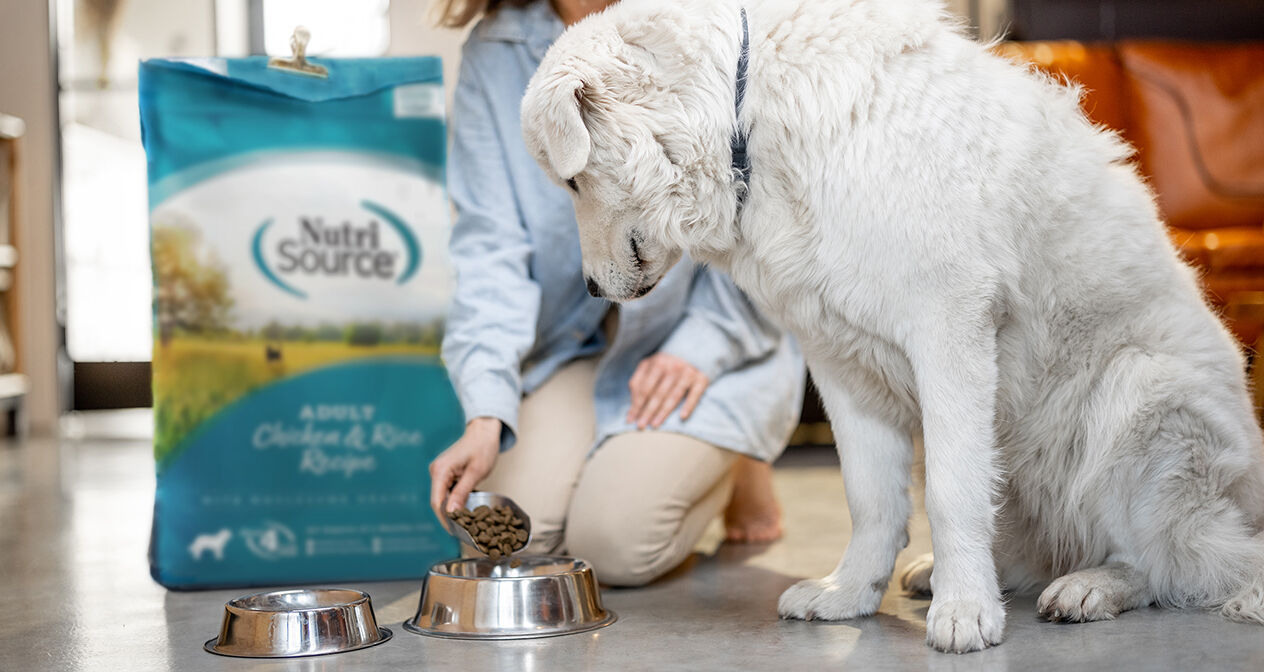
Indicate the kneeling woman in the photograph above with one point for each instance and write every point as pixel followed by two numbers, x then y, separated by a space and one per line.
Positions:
pixel 622 432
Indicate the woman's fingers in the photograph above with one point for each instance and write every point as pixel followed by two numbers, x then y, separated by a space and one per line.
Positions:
pixel 695 395
pixel 672 400
pixel 649 375
pixel 657 398
pixel 470 477
pixel 440 482
pixel 659 385
pixel 636 387
pixel 654 374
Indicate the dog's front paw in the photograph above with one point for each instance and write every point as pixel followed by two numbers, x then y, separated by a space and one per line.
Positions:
pixel 830 599
pixel 916 576
pixel 961 626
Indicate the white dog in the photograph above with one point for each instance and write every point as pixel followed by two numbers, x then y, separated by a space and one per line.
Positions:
pixel 959 252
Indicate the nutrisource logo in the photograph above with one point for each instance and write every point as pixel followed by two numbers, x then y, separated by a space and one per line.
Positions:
pixel 350 249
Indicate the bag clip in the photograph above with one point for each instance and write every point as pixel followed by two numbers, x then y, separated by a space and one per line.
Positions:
pixel 298 63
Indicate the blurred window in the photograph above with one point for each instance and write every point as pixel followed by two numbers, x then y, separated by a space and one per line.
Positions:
pixel 346 28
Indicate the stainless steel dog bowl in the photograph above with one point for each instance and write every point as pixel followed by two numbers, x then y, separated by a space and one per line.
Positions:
pixel 483 599
pixel 293 623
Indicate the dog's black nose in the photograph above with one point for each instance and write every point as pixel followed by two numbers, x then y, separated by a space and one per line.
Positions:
pixel 593 289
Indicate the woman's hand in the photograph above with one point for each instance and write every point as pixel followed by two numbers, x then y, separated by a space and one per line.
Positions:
pixel 456 471
pixel 659 383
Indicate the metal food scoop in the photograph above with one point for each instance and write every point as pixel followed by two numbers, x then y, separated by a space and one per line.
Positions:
pixel 490 500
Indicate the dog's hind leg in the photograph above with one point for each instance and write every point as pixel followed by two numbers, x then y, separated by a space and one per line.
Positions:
pixel 1014 575
pixel 875 459
pixel 1095 594
pixel 1176 514
pixel 915 579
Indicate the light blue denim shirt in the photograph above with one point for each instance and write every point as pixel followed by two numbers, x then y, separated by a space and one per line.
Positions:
pixel 521 310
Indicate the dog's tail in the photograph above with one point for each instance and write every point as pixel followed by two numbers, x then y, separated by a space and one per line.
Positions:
pixel 1247 606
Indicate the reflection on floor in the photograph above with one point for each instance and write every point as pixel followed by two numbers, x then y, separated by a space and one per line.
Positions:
pixel 74 524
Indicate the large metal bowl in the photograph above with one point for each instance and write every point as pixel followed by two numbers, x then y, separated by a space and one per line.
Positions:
pixel 478 598
pixel 294 623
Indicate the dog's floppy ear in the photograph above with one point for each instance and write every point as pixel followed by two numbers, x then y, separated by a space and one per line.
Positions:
pixel 552 113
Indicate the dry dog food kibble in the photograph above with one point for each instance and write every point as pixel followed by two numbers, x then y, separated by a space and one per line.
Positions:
pixel 496 531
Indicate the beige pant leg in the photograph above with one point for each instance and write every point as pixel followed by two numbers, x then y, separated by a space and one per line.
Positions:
pixel 643 501
pixel 556 428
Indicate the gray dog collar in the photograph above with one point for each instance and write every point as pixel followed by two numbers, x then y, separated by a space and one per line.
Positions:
pixel 741 160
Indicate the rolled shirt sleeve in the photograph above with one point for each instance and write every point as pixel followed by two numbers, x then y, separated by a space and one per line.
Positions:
pixel 492 322
pixel 721 330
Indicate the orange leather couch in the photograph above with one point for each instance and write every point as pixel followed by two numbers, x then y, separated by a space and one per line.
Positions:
pixel 1195 113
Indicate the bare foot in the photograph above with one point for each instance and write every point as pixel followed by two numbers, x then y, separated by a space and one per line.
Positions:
pixel 753 515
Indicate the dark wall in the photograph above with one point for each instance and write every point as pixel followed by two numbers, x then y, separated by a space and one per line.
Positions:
pixel 1103 20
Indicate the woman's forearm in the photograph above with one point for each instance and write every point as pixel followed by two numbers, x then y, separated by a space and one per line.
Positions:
pixel 491 325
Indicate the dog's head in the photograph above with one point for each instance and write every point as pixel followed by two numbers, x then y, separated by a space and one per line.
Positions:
pixel 631 110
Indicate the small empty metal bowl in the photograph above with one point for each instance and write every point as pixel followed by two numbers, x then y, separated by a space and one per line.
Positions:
pixel 478 598
pixel 294 623
pixel 491 500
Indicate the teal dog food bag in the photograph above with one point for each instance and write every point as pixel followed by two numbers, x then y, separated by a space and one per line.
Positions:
pixel 299 234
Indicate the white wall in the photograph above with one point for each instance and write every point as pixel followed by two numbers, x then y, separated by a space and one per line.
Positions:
pixel 413 33
pixel 991 19
pixel 26 91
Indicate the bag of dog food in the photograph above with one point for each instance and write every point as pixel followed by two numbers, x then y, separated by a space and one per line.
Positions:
pixel 299 234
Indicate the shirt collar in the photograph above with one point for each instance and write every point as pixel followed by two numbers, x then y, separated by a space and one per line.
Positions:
pixel 535 25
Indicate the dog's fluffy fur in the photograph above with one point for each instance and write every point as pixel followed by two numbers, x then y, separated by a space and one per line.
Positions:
pixel 960 252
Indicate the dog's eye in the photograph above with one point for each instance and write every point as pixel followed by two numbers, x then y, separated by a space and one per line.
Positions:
pixel 571 183
pixel 636 252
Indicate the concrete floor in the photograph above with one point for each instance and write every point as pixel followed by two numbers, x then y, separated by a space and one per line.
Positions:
pixel 74 525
